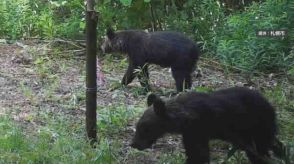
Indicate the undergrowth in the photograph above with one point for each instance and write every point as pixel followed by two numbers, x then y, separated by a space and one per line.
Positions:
pixel 239 46
pixel 62 139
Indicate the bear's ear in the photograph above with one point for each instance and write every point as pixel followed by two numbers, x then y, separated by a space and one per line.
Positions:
pixel 151 98
pixel 159 107
pixel 110 33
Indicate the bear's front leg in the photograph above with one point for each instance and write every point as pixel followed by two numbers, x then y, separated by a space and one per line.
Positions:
pixel 129 75
pixel 197 149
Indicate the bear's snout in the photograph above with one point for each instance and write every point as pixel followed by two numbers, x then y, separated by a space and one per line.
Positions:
pixel 140 145
pixel 136 146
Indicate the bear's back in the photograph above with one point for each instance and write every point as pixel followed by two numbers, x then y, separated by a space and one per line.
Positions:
pixel 239 96
pixel 234 109
pixel 228 102
pixel 171 36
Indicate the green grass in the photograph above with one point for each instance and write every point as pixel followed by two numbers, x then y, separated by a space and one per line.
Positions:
pixel 62 139
pixel 282 98
pixel 114 117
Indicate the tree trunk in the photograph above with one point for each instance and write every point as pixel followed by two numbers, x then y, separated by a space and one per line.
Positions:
pixel 91 84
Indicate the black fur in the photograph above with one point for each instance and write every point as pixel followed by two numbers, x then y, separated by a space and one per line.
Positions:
pixel 167 49
pixel 240 116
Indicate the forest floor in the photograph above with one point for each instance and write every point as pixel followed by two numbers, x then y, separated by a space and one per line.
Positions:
pixel 42 91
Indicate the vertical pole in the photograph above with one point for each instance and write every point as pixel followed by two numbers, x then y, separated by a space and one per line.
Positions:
pixel 91 84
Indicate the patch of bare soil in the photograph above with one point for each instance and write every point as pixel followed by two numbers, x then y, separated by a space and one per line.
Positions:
pixel 24 87
pixel 23 84
pixel 10 72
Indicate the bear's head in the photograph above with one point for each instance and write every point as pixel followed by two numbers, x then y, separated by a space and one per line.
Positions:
pixel 154 123
pixel 113 42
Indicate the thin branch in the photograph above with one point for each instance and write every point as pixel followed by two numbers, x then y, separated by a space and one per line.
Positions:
pixel 154 28
pixel 64 41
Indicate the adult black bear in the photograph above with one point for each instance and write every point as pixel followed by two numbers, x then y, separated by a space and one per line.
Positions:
pixel 236 115
pixel 167 49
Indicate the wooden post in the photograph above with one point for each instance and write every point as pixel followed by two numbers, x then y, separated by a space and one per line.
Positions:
pixel 91 84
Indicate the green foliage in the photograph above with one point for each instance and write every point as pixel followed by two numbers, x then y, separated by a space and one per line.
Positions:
pixel 282 98
pixel 11 136
pixel 52 144
pixel 16 18
pixel 231 38
pixel 62 139
pixel 291 69
pixel 113 117
pixel 174 158
pixel 29 18
pixel 204 89
pixel 126 2
pixel 200 19
pixel 238 45
pixel 125 14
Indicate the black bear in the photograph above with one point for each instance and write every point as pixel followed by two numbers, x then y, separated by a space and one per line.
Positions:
pixel 240 116
pixel 164 48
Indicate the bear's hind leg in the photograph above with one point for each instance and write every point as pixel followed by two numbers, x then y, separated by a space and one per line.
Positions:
pixel 254 152
pixel 247 144
pixel 255 158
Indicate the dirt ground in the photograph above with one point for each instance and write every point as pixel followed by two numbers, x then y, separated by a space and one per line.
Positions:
pixel 24 84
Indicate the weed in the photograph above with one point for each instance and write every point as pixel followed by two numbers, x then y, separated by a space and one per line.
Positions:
pixel 203 89
pixel 172 158
pixel 27 92
pixel 114 117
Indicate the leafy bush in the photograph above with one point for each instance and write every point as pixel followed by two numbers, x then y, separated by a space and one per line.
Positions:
pixel 16 18
pixel 231 38
pixel 30 18
pixel 238 45
pixel 200 19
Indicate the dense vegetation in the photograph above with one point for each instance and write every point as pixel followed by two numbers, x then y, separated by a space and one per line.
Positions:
pixel 225 30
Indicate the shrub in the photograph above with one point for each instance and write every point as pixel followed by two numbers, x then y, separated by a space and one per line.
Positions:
pixel 238 45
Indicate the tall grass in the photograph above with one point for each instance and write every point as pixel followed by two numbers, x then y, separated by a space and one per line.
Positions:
pixel 239 46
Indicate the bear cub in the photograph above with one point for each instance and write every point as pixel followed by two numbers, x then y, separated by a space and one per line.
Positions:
pixel 240 116
pixel 164 48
